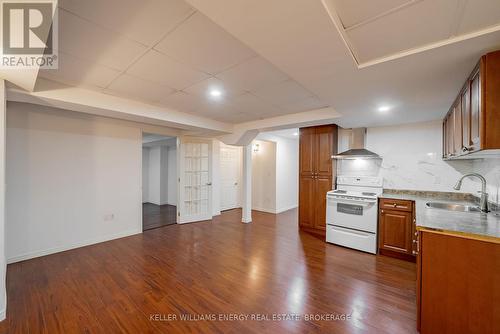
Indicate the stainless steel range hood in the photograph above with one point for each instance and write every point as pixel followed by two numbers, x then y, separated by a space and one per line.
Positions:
pixel 357 149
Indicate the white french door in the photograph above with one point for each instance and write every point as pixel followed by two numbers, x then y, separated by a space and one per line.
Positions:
pixel 195 180
pixel 230 166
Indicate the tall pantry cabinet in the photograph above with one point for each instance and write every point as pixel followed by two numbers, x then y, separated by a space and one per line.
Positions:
pixel 316 175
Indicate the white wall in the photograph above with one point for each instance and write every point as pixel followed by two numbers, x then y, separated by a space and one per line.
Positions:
pixel 73 179
pixel 264 177
pixel 287 174
pixel 160 167
pixel 3 267
pixel 412 160
pixel 154 175
pixel 145 174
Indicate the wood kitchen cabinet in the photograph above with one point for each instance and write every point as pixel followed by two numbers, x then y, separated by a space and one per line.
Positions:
pixel 473 122
pixel 396 228
pixel 457 284
pixel 316 175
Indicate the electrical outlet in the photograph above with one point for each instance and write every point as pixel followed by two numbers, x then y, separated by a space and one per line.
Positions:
pixel 109 217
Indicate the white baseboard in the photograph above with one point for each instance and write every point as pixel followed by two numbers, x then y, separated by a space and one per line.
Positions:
pixel 257 208
pixel 274 211
pixel 287 208
pixel 78 244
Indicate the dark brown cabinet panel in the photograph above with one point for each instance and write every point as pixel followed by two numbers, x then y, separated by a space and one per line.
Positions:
pixel 306 151
pixel 457 127
pixel 395 231
pixel 473 122
pixel 396 228
pixel 466 119
pixel 448 141
pixel 316 175
pixel 475 108
pixel 323 185
pixel 457 284
pixel 324 140
pixel 306 201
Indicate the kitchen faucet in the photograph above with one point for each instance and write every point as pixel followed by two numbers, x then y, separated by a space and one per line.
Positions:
pixel 483 204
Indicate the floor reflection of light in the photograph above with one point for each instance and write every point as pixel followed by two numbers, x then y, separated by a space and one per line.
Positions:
pixel 296 295
pixel 358 306
pixel 254 270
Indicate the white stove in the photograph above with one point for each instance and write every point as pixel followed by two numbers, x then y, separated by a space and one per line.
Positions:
pixel 351 212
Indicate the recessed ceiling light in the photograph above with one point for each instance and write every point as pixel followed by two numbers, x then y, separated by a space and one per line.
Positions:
pixel 214 92
pixel 384 108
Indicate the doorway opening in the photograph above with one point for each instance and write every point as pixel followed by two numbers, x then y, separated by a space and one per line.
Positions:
pixel 159 181
pixel 275 171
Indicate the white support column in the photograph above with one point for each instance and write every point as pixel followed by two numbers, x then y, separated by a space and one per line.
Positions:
pixel 246 214
pixel 3 266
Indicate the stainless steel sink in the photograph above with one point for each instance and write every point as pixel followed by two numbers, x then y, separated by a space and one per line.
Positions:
pixel 452 207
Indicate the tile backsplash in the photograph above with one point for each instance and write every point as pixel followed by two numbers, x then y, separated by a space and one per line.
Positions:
pixel 411 159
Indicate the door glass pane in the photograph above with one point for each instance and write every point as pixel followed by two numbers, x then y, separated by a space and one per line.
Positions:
pixel 196 174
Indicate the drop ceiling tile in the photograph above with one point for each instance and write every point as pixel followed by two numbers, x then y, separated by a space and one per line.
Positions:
pixel 85 40
pixel 142 21
pixel 79 72
pixel 159 68
pixel 285 92
pixel 182 102
pixel 479 14
pixel 414 26
pixel 252 105
pixel 130 86
pixel 352 12
pixel 204 45
pixel 306 104
pixel 252 74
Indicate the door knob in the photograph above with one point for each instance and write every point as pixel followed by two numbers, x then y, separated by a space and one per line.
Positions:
pixel 209 183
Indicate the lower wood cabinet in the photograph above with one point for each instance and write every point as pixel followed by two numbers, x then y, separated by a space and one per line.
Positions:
pixel 458 289
pixel 396 229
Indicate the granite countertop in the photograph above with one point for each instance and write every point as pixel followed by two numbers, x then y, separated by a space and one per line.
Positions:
pixel 473 224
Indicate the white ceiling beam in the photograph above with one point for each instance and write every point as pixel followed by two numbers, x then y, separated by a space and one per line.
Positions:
pixel 244 133
pixel 91 102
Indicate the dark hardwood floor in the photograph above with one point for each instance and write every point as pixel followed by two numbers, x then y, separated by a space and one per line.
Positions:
pixel 133 284
pixel 154 216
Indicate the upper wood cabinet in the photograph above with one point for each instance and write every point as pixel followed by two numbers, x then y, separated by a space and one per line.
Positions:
pixel 473 121
pixel 306 151
pixel 316 175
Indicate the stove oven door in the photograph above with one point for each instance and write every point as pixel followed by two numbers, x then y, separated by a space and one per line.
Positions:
pixel 352 213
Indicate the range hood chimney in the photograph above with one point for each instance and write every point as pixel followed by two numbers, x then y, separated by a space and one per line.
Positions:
pixel 357 150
